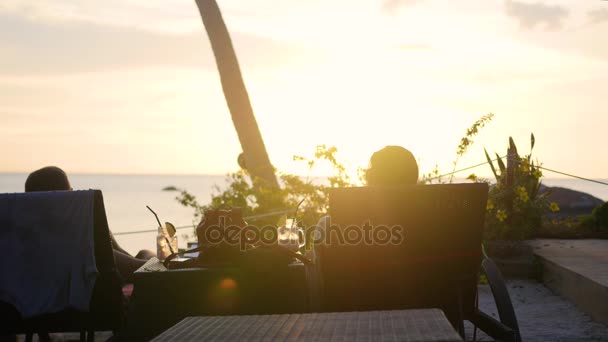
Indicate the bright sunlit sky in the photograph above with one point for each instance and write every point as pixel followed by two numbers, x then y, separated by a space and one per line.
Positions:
pixel 130 86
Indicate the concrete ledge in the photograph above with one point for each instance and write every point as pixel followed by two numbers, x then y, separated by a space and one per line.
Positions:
pixel 516 269
pixel 578 271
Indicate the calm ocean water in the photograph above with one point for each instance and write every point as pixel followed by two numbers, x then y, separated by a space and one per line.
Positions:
pixel 126 197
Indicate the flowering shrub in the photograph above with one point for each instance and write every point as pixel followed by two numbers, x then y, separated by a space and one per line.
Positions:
pixel 515 205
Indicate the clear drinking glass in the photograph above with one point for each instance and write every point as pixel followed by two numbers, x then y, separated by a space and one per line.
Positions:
pixel 291 236
pixel 165 244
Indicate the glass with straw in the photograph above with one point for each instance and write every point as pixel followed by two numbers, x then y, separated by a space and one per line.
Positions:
pixel 166 238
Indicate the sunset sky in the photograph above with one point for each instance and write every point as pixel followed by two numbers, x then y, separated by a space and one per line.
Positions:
pixel 130 86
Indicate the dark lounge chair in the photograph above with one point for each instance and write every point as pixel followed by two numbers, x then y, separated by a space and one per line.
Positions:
pixel 107 303
pixel 434 263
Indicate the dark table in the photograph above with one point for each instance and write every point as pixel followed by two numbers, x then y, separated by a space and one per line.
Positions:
pixel 163 297
pixel 397 325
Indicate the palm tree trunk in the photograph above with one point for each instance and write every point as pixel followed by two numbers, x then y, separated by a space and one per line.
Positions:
pixel 237 98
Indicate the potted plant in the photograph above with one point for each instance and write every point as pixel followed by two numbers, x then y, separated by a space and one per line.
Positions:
pixel 515 210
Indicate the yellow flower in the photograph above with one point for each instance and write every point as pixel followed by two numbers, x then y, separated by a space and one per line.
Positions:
pixel 523 194
pixel 524 166
pixel 537 173
pixel 501 215
pixel 489 205
pixel 553 207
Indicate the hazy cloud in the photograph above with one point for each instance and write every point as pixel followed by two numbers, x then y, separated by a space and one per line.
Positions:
pixel 599 15
pixel 177 16
pixel 531 15
pixel 392 6
pixel 33 47
pixel 576 43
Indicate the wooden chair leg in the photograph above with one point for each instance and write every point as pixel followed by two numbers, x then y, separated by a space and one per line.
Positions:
pixel 83 336
pixel 29 337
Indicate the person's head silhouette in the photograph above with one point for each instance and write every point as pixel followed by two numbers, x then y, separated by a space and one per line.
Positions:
pixel 392 165
pixel 50 178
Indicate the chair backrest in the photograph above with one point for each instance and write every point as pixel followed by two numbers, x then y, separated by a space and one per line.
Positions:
pixel 403 247
pixel 106 304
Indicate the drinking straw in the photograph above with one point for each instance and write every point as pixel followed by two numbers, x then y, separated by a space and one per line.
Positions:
pixel 157 220
pixel 296 212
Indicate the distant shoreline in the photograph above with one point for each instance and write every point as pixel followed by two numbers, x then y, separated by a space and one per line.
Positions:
pixel 457 179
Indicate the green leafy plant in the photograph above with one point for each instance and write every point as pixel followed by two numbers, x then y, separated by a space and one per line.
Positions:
pixel 264 205
pixel 467 140
pixel 434 176
pixel 515 204
pixel 595 224
pixel 600 214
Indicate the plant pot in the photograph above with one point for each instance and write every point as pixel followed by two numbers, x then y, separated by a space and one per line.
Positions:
pixel 515 259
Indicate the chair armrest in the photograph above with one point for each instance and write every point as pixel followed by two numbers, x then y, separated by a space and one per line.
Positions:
pixel 492 327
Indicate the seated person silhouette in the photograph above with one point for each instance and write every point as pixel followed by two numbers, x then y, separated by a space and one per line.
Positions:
pixel 52 178
pixel 390 166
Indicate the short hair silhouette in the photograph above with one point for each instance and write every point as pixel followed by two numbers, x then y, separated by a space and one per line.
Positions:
pixel 50 178
pixel 392 165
